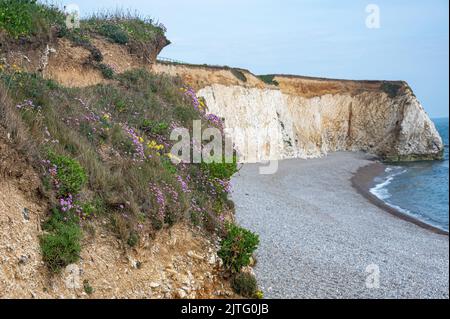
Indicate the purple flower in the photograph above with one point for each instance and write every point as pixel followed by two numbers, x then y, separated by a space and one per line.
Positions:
pixel 184 185
pixel 67 203
pixel 139 153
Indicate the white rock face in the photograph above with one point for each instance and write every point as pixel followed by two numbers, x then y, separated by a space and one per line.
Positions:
pixel 269 124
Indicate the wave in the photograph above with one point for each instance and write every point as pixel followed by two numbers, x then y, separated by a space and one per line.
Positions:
pixel 380 189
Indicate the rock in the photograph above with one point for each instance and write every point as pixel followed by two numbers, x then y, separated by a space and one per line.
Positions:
pixel 154 285
pixel 192 254
pixel 136 264
pixel 184 279
pixel 26 214
pixel 181 293
pixel 23 260
pixel 187 289
pixel 212 259
pixel 306 118
pixel 72 276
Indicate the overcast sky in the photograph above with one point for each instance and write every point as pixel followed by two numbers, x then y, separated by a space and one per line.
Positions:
pixel 324 38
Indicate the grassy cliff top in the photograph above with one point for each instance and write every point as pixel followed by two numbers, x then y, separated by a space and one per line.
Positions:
pixel 29 20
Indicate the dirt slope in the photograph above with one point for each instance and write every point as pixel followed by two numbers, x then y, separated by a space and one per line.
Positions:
pixel 178 263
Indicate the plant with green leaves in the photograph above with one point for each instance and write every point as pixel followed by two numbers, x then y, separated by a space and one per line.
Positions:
pixel 21 18
pixel 69 173
pixel 245 284
pixel 221 170
pixel 237 247
pixel 60 245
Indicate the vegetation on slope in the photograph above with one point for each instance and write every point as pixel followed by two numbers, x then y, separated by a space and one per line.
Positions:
pixel 28 18
pixel 390 88
pixel 269 79
pixel 104 150
pixel 30 23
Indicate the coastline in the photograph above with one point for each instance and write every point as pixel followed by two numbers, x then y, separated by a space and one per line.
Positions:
pixel 363 181
pixel 319 235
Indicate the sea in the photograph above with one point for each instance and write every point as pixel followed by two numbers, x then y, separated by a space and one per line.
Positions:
pixel 419 189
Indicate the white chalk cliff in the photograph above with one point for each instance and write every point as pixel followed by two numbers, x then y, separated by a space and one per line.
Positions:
pixel 308 117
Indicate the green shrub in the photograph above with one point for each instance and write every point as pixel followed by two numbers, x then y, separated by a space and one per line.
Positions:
pixel 239 74
pixel 120 105
pixel 168 166
pixel 61 246
pixel 237 247
pixel 70 174
pixel 141 29
pixel 87 287
pixel 133 239
pixel 269 79
pixel 185 114
pixel 157 128
pixel 220 170
pixel 121 27
pixel 94 207
pixel 28 17
pixel 245 284
pixel 107 71
pixel 114 33
pixel 391 89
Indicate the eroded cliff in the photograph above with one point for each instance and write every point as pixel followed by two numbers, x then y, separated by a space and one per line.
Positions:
pixel 293 116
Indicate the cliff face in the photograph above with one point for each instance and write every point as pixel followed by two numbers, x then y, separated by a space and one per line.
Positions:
pixel 308 117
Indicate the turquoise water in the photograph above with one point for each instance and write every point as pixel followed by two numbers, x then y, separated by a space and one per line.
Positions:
pixel 419 189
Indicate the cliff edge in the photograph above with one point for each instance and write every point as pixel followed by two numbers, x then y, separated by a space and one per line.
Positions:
pixel 314 116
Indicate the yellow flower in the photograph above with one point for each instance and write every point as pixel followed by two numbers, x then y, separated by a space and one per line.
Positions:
pixel 173 157
pixel 141 140
pixel 16 68
pixel 155 146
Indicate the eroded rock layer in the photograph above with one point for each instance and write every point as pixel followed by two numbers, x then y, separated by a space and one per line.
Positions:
pixel 309 117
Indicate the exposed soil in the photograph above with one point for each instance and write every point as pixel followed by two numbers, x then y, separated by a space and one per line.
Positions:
pixel 180 262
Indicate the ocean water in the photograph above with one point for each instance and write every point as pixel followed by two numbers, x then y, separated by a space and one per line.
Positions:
pixel 419 189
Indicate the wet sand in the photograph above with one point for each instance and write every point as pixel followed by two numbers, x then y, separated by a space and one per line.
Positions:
pixel 363 181
pixel 321 238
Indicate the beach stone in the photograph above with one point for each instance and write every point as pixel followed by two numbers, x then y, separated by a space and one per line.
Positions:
pixel 317 206
pixel 154 285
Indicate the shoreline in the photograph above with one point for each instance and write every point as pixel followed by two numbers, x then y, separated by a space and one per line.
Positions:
pixel 318 234
pixel 363 181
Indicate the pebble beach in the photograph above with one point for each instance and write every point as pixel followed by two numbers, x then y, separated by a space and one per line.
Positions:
pixel 321 238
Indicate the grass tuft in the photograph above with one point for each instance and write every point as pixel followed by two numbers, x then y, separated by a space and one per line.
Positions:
pixel 245 284
pixel 61 245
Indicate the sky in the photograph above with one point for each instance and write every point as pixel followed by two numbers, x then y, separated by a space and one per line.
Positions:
pixel 324 38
